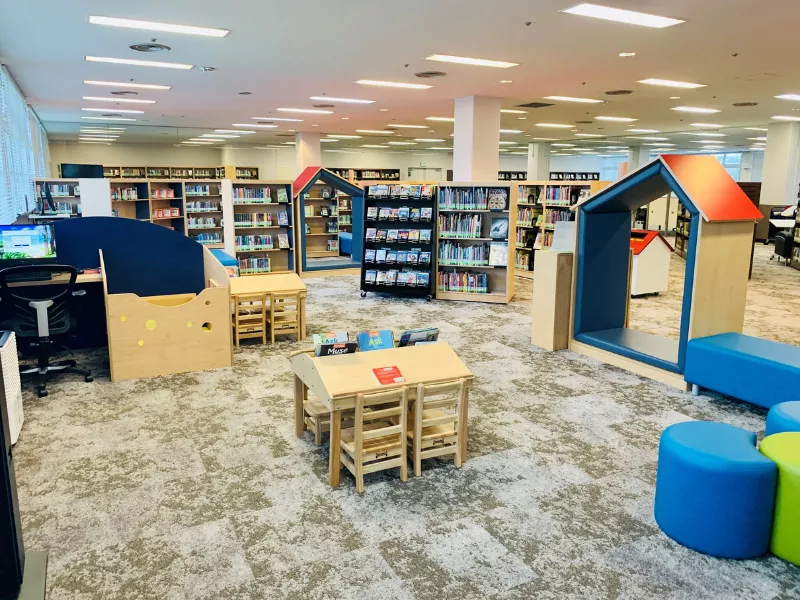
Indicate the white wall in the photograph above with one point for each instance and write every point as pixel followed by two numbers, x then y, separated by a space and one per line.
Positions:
pixel 133 155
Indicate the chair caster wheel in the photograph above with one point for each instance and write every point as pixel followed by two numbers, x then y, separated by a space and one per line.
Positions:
pixel 428 298
pixel 88 379
pixel 41 392
pixel 363 294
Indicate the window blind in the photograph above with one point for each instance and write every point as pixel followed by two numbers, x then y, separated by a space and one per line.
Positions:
pixel 17 168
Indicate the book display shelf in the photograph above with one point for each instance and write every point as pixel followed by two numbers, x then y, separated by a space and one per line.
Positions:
pixel 368 174
pixel 474 232
pixel 203 209
pixel 66 195
pixel 260 231
pixel 399 244
pixel 166 204
pixel 321 220
pixel 512 175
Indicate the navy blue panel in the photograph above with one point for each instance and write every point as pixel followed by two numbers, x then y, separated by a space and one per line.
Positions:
pixel 633 192
pixel 602 278
pixel 650 349
pixel 141 258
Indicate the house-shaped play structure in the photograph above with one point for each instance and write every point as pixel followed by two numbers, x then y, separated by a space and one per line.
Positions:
pixel 318 232
pixel 717 264
pixel 651 257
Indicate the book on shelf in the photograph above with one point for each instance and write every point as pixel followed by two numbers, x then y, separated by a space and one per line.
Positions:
pixel 375 340
pixel 424 236
pixel 371 234
pixel 369 255
pixel 499 229
pixel 403 235
pixel 414 214
pixel 460 225
pixel 415 191
pixel 391 256
pixel 424 258
pixel 463 282
pixel 392 236
pixel 380 255
pixel 323 211
pixel 498 254
pixel 426 191
pixel 407 278
pixel 330 337
pixel 412 257
pixel 381 235
pixel 403 213
pixel 283 219
pixel 372 212
pixel 423 279
pixel 391 277
pixel 426 213
pixel 497 199
pixel 337 349
pixel 457 254
pixel 370 276
pixel 402 257
pixel 326 193
pixel 384 214
pixel 411 337
pixel 283 241
pixel 395 214
pixel 381 279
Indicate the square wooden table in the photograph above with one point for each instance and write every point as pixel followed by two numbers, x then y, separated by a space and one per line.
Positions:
pixel 337 380
pixel 273 282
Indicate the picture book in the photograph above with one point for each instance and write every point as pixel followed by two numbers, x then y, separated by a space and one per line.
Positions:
pixel 283 197
pixel 370 276
pixel 391 277
pixel 498 254
pixel 391 256
pixel 499 229
pixel 391 235
pixel 384 213
pixel 424 258
pixel 381 191
pixel 413 235
pixel 326 193
pixel 372 212
pixel 381 235
pixel 426 191
pixel 403 191
pixel 423 279
pixel 425 235
pixel 375 340
pixel 395 214
pixel 323 211
pixel 497 199
pixel 394 191
pixel 283 219
pixel 413 255
pixel 426 213
pixel 403 235
pixel 407 278
pixel 380 255
pixel 403 213
pixel 411 337
pixel 336 349
pixel 283 241
pixel 414 214
pixel 369 255
pixel 402 256
pixel 330 337
pixel 371 234
pixel 381 279
pixel 414 191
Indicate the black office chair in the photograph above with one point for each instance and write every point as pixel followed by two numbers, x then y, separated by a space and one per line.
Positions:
pixel 39 309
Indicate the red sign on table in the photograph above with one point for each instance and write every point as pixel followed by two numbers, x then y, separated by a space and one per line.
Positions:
pixel 388 375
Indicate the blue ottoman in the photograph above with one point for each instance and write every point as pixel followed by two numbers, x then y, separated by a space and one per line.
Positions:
pixel 783 418
pixel 714 491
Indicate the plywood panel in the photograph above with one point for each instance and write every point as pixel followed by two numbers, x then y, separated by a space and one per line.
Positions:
pixel 552 300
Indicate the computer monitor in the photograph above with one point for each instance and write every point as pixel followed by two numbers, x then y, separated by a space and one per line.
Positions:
pixel 26 244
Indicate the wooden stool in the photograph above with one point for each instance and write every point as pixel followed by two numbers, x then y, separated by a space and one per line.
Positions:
pixel 431 430
pixel 250 317
pixel 375 442
pixel 284 314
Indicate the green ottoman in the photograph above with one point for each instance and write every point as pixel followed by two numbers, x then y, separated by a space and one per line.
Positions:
pixel 784 450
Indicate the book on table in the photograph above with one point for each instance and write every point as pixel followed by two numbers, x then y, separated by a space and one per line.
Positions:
pixel 411 337
pixel 375 340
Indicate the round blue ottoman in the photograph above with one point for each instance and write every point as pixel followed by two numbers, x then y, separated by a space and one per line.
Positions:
pixel 783 418
pixel 714 491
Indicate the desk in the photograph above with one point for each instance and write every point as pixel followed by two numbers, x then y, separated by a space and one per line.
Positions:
pixel 273 282
pixel 336 380
pixel 63 279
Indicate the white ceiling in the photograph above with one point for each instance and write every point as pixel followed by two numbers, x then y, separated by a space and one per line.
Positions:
pixel 284 52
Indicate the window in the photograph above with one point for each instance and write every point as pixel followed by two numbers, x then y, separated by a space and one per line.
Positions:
pixel 17 168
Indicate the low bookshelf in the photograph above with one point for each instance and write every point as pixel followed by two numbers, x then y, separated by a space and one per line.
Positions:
pixel 66 196
pixel 130 199
pixel 166 204
pixel 320 206
pixel 367 174
pixel 259 225
pixel 203 209
pixel 399 245
pixel 529 218
pixel 474 234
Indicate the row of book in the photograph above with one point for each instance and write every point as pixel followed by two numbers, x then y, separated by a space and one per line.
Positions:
pixel 403 213
pixel 463 199
pixel 460 225
pixel 566 194
pixel 422 236
pixel 523 261
pixel 332 343
pixel 331 227
pixel 159 193
pixel 523 237
pixel 200 189
pixel 462 282
pixel 453 253
pixel 415 256
pixel 333 245
pixel 254 264
pixel 554 216
pixel 124 193
pixel 395 277
pixel 60 189
pixel 256 219
pixel 61 208
pixel 526 216
pixel 530 194
pixel 201 222
pixel 421 192
pixel 261 193
pixel 345 220
pixel 324 211
pixel 246 243
pixel 208 238
pixel 202 206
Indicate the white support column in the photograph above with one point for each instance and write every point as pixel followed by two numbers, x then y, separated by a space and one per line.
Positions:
pixel 538 161
pixel 476 139
pixel 781 165
pixel 307 151
pixel 746 166
pixel 638 156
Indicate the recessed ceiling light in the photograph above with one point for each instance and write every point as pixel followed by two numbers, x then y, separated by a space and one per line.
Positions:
pixel 616 119
pixel 674 97
pixel 443 119
pixel 108 119
pixel 711 125
pixel 440 148
pixel 696 109
pixel 621 16
pixel 554 125
pixel 705 141
pixel 394 84
pixel 187 143
pixel 538 139
pixel 674 84
pixel 342 100
pixel 115 110
pixel 345 118
pixel 310 111
pixel 219 135
pixel 642 130
pixel 589 135
pixel 87 136
pixel 506 81
pixel 756 128
pixel 426 140
pixel 648 138
pixel 478 62
pixel 344 137
pixel 315 125
pixel 288 143
pixel 373 146
pixel 281 119
pixel 564 145
pixel 98 143
pixel 376 131
pixel 237 131
pixel 384 110
pixel 571 99
pixel 138 63
pixel 761 138
pixel 504 143
pixel 154 26
pixel 402 143
pixel 408 126
pixel 511 131
pixel 103 129
pixel 707 134
pixel 258 125
pixel 128 100
pixel 144 86
pixel 757 149
pixel 511 111
pixel 328 140
pixel 789 97
pixel 627 54
pixel 658 144
pixel 785 118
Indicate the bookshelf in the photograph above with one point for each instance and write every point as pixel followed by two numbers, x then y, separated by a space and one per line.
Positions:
pixel 130 199
pixel 181 173
pixel 557 205
pixel 512 175
pixel 321 220
pixel 682 230
pixel 158 172
pixel 167 206
pixel 260 232
pixel 66 194
pixel 367 174
pixel 474 235
pixel 133 172
pixel 240 173
pixel 203 209
pixel 399 245
pixel 529 219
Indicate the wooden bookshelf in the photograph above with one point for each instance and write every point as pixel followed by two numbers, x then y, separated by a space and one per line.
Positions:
pixel 66 195
pixel 683 228
pixel 167 207
pixel 130 199
pixel 241 173
pixel 460 201
pixel 528 223
pixel 158 172
pixel 203 209
pixel 512 175
pixel 254 213
pixel 320 206
pixel 367 174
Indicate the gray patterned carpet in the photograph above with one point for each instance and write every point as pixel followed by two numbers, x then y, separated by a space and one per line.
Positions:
pixel 195 487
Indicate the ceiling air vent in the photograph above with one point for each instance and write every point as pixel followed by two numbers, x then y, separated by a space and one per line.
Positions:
pixel 430 74
pixel 150 47
pixel 323 105
pixel 289 135
pixel 584 122
pixel 534 105
pixel 112 115
pixel 744 104
pixel 618 92
pixel 125 93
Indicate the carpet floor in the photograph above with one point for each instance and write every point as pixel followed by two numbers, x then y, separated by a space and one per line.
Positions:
pixel 194 486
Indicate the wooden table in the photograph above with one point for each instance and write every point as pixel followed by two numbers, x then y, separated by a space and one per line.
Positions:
pixel 336 380
pixel 273 282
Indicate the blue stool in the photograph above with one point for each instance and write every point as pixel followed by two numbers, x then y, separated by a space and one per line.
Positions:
pixel 714 491
pixel 783 418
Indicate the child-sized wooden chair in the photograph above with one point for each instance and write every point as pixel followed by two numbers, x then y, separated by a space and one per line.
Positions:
pixel 377 440
pixel 432 431
pixel 250 316
pixel 284 314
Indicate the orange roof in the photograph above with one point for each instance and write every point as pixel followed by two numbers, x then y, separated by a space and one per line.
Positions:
pixel 640 243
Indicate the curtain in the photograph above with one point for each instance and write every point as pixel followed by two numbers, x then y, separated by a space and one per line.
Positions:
pixel 17 164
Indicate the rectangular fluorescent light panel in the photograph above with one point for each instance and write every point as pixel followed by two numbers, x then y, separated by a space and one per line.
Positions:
pixel 508 111
pixel 619 15
pixel 259 125
pixel 571 99
pixel 402 143
pixel 310 111
pixel 617 119
pixel 394 84
pixel 707 134
pixel 138 63
pixel 114 110
pixel 123 100
pixel 758 139
pixel 108 118
pixel 785 118
pixel 407 126
pixel 696 109
pixel 281 119
pixel 377 131
pixel 443 119
pixel 554 125
pixel 642 131
pixel 219 135
pixel 344 137
pixel 342 100
pixel 589 135
pixel 438 140
pixel 510 131
pixel 477 62
pixel 156 26
pixel 788 97
pixel 710 125
pixel 238 131
pixel 756 128
pixel 373 146
pixel 125 84
pixel 648 138
pixel 674 84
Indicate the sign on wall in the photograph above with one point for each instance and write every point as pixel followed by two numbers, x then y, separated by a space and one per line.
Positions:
pixel 564 176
